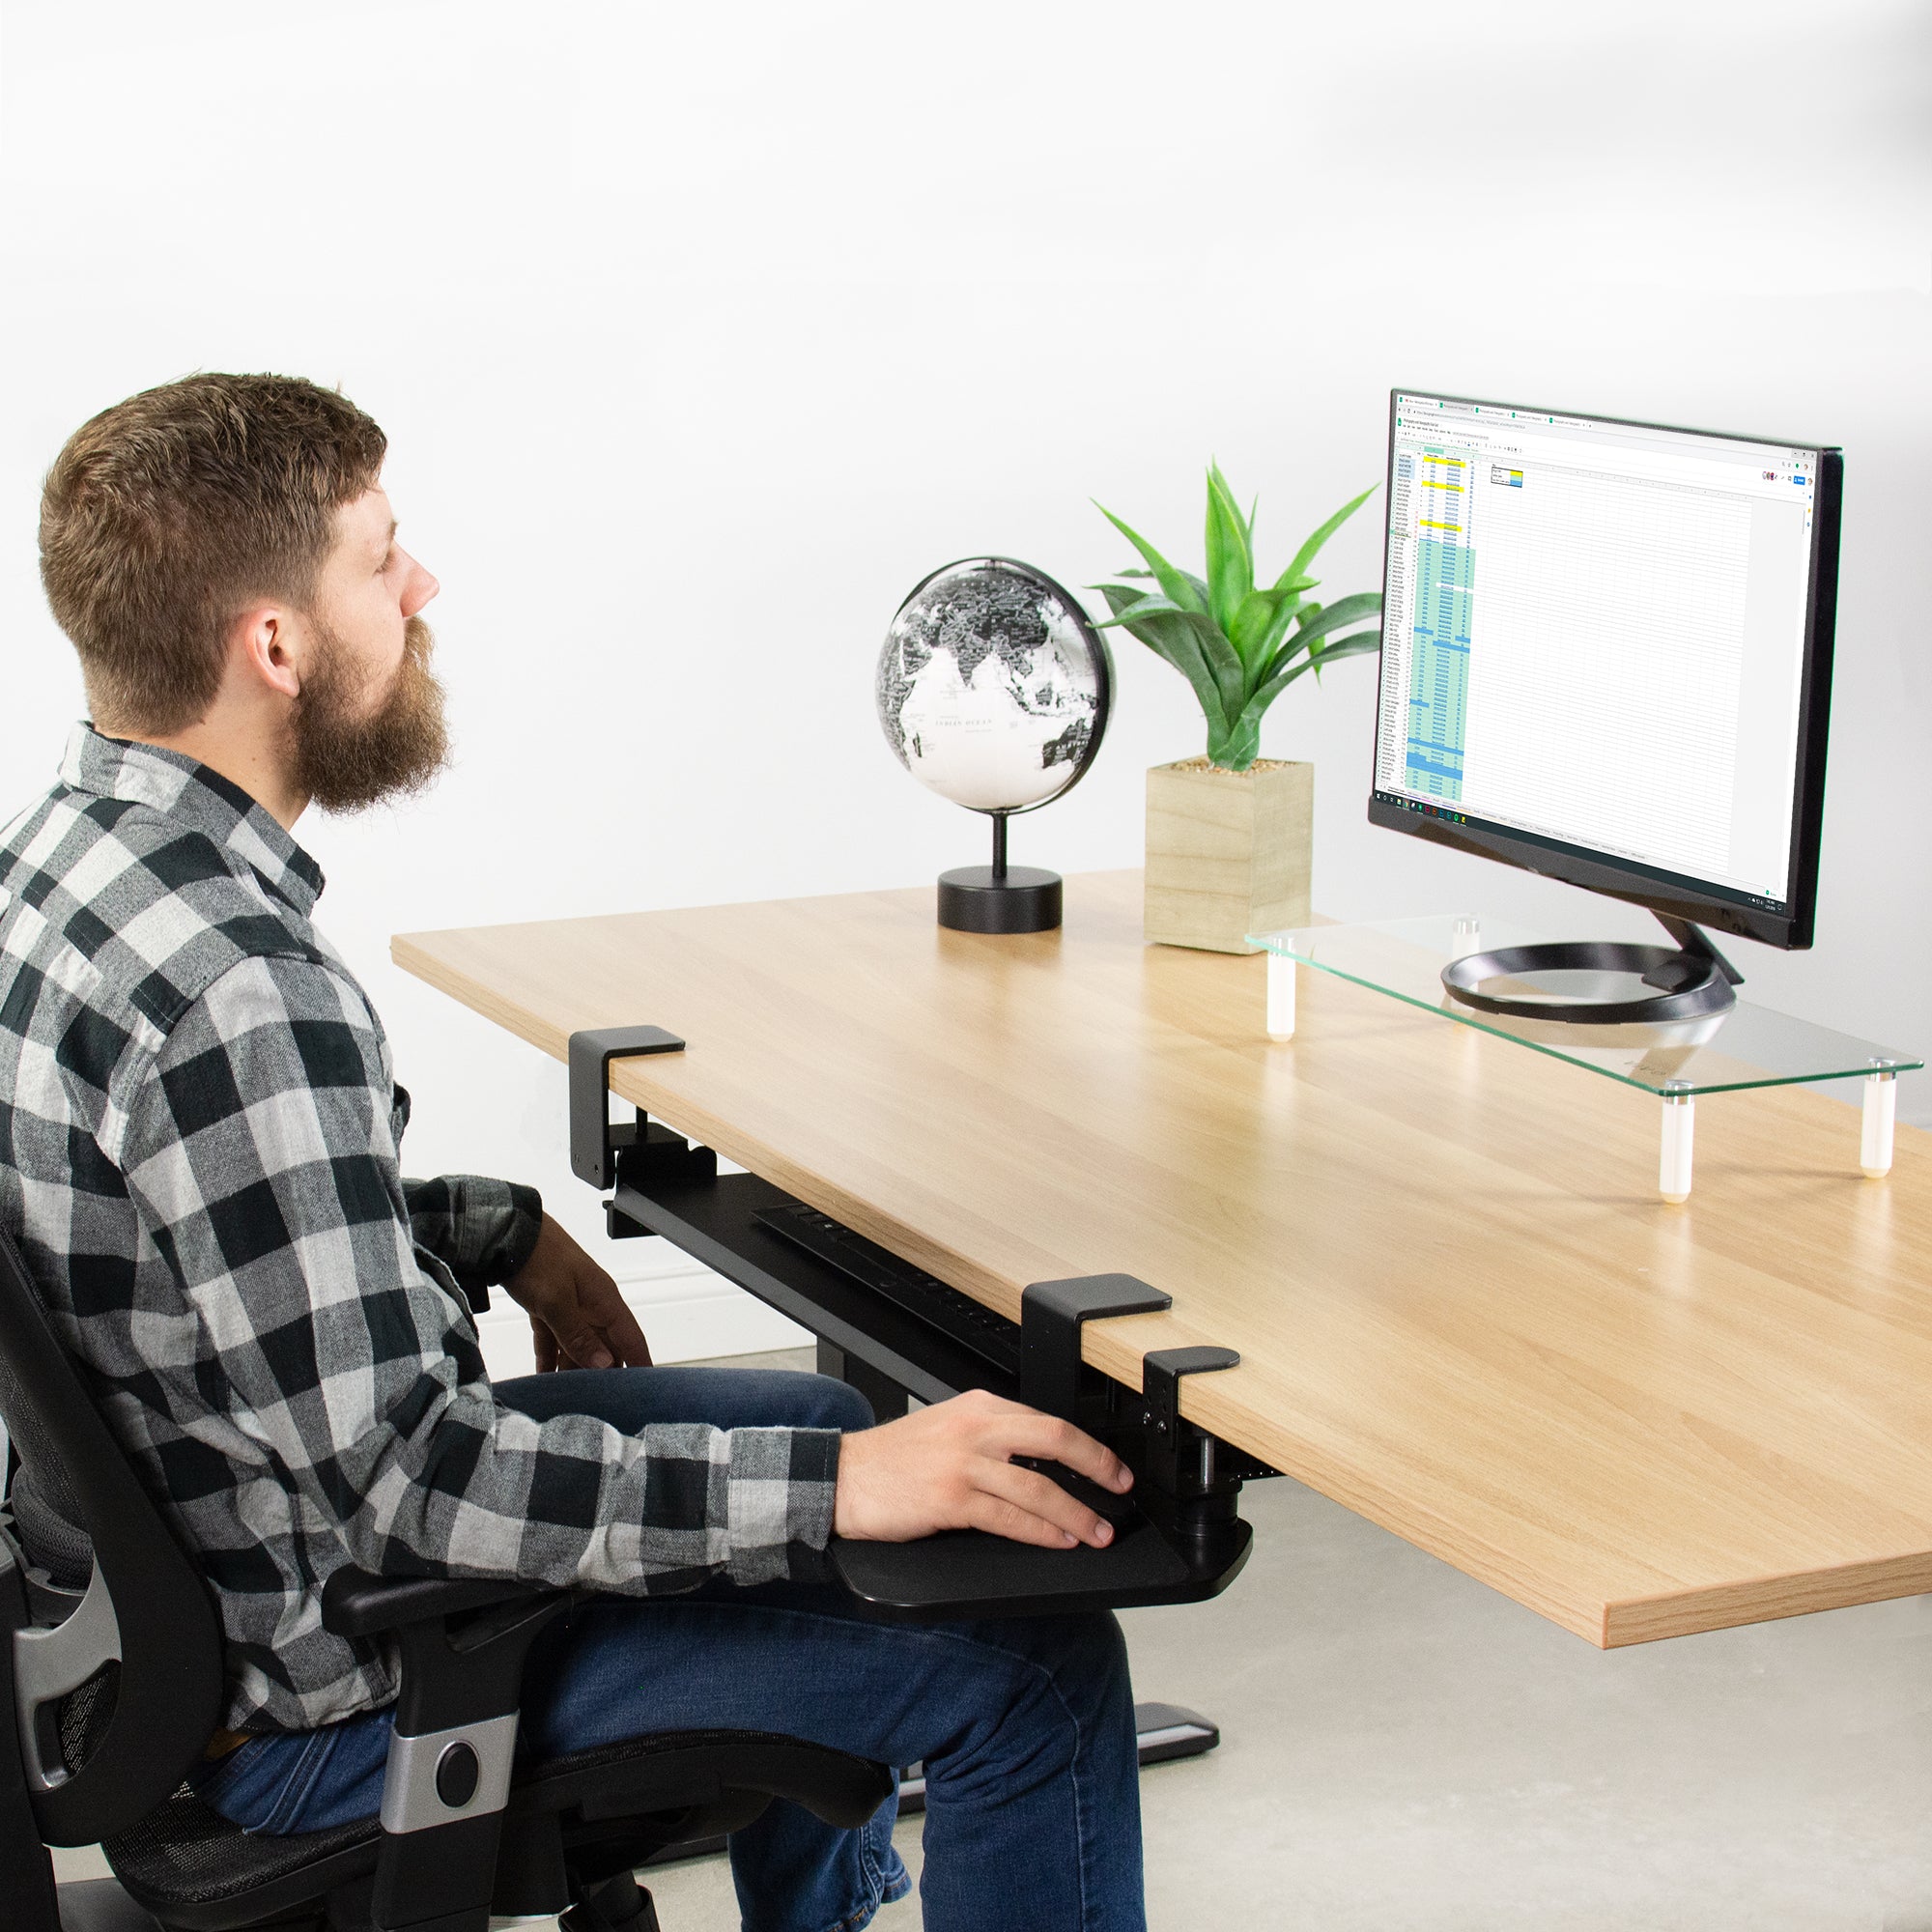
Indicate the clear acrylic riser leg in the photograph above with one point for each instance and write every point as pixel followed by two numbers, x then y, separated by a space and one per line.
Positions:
pixel 1880 1111
pixel 1673 1167
pixel 1280 997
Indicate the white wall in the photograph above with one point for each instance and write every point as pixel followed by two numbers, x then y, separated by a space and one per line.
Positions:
pixel 701 333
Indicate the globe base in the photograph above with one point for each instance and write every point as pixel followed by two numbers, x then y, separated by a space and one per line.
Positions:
pixel 1020 898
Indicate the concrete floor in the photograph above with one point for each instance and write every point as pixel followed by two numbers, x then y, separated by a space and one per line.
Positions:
pixel 1403 1749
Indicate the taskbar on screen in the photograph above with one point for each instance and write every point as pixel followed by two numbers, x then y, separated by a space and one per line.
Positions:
pixel 1596 856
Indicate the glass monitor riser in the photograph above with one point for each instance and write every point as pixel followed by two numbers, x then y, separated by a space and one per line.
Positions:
pixel 1729 1047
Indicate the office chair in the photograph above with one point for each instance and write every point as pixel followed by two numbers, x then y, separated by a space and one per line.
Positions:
pixel 115 1688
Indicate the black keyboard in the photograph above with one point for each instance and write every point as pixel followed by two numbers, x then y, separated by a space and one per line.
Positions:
pixel 956 1316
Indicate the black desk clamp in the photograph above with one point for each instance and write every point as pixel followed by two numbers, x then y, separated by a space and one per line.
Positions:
pixel 1170 1457
pixel 606 1155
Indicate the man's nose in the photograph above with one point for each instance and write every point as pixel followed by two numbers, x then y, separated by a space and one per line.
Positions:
pixel 420 589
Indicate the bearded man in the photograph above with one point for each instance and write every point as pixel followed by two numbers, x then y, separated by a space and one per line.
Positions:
pixel 200 1160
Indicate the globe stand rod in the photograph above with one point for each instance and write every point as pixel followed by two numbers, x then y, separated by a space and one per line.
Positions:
pixel 998 898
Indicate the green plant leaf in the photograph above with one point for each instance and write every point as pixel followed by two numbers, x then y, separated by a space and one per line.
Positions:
pixel 1131 609
pixel 1219 696
pixel 1252 624
pixel 1304 623
pixel 1128 606
pixel 1305 556
pixel 1223 661
pixel 1188 577
pixel 1231 563
pixel 1216 656
pixel 1169 634
pixel 1185 590
pixel 1236 747
pixel 1321 655
pixel 1324 622
pixel 1287 607
pixel 1137 603
pixel 1358 645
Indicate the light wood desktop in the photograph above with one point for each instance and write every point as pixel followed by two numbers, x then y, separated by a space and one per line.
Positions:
pixel 1461 1307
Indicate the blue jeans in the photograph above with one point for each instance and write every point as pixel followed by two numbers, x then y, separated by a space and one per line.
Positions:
pixel 1025 1726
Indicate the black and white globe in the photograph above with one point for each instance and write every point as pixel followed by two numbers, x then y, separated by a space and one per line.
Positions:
pixel 993 686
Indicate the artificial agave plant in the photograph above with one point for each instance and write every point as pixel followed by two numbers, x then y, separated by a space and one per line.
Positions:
pixel 1240 645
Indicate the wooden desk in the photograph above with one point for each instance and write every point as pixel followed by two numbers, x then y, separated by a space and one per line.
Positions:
pixel 1461 1310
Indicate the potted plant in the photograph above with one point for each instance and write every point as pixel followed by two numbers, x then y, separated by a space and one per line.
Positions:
pixel 1229 834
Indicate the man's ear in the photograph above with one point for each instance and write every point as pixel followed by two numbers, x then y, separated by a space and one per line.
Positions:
pixel 267 649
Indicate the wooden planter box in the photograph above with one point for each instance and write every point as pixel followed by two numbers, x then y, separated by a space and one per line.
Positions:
pixel 1227 852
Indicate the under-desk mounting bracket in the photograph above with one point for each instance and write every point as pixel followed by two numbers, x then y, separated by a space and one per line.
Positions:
pixel 1181 1463
pixel 1181 1458
pixel 1051 1314
pixel 595 1145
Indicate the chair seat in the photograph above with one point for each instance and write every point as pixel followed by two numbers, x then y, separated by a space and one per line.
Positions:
pixel 191 1868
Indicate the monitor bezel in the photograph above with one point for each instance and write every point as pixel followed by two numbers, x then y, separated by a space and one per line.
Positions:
pixel 1674 895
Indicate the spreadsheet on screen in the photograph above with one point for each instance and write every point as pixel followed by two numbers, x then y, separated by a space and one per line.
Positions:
pixel 1594 633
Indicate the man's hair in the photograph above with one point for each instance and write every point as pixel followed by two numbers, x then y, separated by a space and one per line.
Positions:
pixel 168 515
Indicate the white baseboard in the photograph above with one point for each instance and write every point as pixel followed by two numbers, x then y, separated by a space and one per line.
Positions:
pixel 687 1313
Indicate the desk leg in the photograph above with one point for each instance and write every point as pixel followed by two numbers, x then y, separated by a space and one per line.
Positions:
pixel 1673 1172
pixel 887 1399
pixel 1875 1141
pixel 1280 997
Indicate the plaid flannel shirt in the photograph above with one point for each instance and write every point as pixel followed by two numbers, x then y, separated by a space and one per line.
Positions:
pixel 199 1136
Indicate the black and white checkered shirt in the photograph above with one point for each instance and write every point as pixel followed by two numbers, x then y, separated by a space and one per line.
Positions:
pixel 199 1139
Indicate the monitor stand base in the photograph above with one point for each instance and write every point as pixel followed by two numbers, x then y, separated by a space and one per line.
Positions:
pixel 1692 979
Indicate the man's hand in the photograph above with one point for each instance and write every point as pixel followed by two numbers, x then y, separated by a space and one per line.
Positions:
pixel 948 1467
pixel 578 1319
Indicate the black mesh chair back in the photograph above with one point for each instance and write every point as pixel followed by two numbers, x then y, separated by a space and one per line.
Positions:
pixel 140 1649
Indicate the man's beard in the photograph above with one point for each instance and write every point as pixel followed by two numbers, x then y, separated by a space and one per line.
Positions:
pixel 344 761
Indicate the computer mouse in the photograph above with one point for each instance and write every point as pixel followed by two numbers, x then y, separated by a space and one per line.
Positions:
pixel 1103 1501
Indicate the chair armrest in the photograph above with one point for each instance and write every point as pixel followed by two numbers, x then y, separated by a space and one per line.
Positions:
pixel 461 1643
pixel 355 1603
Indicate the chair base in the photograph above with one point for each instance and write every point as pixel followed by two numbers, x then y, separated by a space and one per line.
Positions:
pixel 620 1905
pixel 99 1905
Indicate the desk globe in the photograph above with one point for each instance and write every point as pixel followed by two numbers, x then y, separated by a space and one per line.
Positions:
pixel 994 690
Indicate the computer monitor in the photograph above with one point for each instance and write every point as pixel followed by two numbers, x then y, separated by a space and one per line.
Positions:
pixel 1607 657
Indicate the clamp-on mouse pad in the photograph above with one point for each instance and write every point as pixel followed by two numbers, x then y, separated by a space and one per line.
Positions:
pixel 966 1572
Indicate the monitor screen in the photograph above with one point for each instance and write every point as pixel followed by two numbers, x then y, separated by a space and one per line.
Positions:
pixel 1606 653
